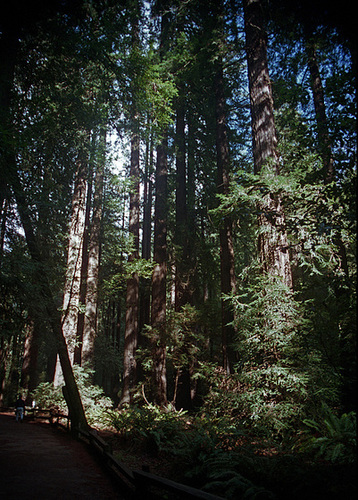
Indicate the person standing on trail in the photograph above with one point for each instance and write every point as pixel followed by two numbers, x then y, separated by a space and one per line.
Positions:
pixel 19 409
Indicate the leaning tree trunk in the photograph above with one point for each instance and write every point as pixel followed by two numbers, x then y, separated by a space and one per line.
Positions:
pixel 71 297
pixel 50 309
pixel 273 245
pixel 8 169
pixel 91 301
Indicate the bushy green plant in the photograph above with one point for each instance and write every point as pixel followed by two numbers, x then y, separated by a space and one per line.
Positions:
pixel 272 375
pixel 334 438
pixel 47 396
pixel 95 403
pixel 159 429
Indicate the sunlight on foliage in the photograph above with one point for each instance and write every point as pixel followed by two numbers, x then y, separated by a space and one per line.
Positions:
pixel 95 403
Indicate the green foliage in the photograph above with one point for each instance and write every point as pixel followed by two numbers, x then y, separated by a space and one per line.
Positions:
pixel 96 405
pixel 222 472
pixel 292 351
pixel 159 429
pixel 160 92
pixel 272 376
pixel 47 396
pixel 185 343
pixel 201 447
pixel 221 403
pixel 143 267
pixel 335 438
pixel 290 347
pixel 186 340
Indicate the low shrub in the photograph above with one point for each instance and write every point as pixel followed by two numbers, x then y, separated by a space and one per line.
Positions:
pixel 156 428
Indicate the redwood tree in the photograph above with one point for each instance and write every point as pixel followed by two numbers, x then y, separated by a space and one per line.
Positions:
pixel 71 296
pixel 93 259
pixel 132 297
pixel 272 244
pixel 227 260
pixel 158 307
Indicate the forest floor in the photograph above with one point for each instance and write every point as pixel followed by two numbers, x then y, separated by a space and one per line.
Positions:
pixel 40 462
pixel 285 474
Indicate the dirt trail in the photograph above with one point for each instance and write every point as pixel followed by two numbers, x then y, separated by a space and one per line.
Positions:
pixel 39 462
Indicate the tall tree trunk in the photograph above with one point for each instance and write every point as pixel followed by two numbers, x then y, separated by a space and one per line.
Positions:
pixel 144 317
pixel 29 379
pixel 159 276
pixel 273 246
pixel 320 110
pixel 158 308
pixel 132 299
pixel 182 259
pixel 3 369
pixel 180 209
pixel 145 283
pixel 147 201
pixel 324 139
pixel 227 260
pixel 348 389
pixel 94 247
pixel 71 297
pixel 191 189
pixel 4 211
pixel 77 357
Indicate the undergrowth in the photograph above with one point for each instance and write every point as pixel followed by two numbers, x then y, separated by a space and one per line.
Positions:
pixel 95 403
pixel 218 455
pixel 223 455
pixel 333 437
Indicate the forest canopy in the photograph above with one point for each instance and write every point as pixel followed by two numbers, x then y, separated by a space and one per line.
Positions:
pixel 178 207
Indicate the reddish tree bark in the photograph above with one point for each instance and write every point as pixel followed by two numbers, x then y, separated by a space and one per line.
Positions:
pixel 71 296
pixel 158 307
pixel 132 299
pixel 273 245
pixel 93 259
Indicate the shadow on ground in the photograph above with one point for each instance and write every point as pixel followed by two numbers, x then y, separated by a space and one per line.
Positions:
pixel 40 462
